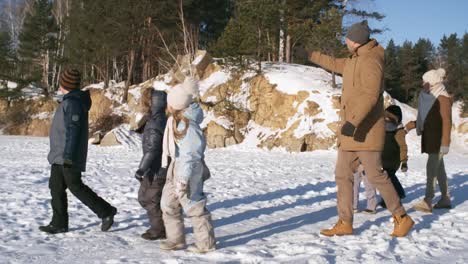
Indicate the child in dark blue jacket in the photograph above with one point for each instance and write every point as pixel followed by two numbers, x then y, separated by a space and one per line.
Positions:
pixel 68 152
pixel 150 192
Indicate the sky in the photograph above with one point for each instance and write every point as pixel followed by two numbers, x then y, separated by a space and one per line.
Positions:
pixel 414 19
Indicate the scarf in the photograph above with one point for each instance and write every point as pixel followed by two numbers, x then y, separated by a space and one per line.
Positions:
pixel 425 103
pixel 169 147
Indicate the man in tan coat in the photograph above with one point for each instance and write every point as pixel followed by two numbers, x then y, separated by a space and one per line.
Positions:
pixel 362 132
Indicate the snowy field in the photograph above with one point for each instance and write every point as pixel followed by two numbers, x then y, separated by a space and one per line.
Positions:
pixel 268 207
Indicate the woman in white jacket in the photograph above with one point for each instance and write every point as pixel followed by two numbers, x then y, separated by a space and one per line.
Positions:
pixel 183 161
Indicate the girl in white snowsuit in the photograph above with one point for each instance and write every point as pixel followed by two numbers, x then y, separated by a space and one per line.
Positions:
pixel 184 146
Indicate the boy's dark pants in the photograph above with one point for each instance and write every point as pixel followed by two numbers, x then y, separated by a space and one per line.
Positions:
pixel 396 183
pixel 62 178
pixel 149 197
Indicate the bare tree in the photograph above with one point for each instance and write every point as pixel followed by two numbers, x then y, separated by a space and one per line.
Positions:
pixel 61 10
pixel 13 15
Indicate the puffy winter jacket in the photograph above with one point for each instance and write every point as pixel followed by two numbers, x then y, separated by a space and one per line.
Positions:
pixel 190 150
pixel 395 149
pixel 69 130
pixel 153 134
pixel 362 99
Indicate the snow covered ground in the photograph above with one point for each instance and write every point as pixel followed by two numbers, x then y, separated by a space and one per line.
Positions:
pixel 268 207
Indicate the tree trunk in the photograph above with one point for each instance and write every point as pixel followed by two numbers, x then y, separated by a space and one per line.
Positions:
pixel 334 80
pixel 288 48
pixel 259 59
pixel 268 41
pixel 45 72
pixel 106 73
pixel 130 66
pixel 281 33
pixel 114 68
pixel 281 41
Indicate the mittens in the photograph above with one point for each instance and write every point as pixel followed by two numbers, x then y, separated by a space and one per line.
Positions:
pixel 444 150
pixel 139 175
pixel 348 129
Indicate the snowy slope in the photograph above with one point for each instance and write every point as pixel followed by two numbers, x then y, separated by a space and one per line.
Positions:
pixel 268 207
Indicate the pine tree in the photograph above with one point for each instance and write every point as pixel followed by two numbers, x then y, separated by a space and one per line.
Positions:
pixel 424 52
pixel 393 70
pixel 6 56
pixel 327 36
pixel 254 27
pixel 410 78
pixel 464 55
pixel 450 49
pixel 37 43
pixel 208 18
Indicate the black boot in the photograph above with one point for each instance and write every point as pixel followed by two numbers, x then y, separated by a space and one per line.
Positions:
pixel 108 221
pixel 50 229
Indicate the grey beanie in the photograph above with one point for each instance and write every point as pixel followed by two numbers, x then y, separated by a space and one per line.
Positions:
pixel 359 32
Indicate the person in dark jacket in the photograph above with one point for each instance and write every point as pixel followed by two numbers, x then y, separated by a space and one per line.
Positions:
pixel 150 192
pixel 395 148
pixel 68 153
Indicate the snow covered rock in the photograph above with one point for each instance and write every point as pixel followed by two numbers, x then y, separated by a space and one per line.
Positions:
pixel 110 139
pixel 463 128
pixel 101 105
pixel 217 136
pixel 28 116
pixel 122 136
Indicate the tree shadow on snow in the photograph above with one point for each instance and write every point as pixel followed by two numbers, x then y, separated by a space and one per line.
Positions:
pixel 299 190
pixel 278 227
pixel 132 222
pixel 281 226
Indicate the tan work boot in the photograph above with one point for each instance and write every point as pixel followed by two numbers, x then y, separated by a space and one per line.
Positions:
pixel 423 206
pixel 341 228
pixel 443 203
pixel 403 225
pixel 168 245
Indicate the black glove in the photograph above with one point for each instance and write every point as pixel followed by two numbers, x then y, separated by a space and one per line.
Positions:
pixel 67 164
pixel 139 175
pixel 348 129
pixel 162 172
pixel 404 167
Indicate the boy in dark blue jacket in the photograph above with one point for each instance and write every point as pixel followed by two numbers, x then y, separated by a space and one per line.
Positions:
pixel 68 153
pixel 150 192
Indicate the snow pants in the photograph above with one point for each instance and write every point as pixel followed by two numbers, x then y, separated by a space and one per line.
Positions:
pixel 194 205
pixel 396 183
pixel 149 197
pixel 435 169
pixel 377 177
pixel 371 194
pixel 62 178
